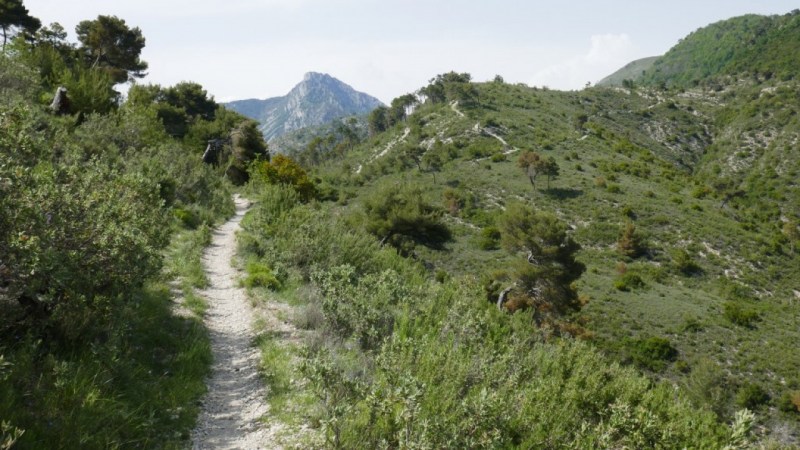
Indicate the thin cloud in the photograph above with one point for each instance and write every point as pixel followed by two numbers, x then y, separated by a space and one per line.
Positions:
pixel 607 53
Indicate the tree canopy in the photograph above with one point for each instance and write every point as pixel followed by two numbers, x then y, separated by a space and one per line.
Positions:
pixel 109 43
pixel 449 86
pixel 543 280
pixel 399 216
pixel 535 164
pixel 13 14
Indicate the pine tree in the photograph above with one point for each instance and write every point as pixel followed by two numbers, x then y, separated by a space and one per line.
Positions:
pixel 13 14
pixel 545 276
pixel 108 43
pixel 629 243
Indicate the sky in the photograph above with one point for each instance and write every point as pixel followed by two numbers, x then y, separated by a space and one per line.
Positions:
pixel 239 49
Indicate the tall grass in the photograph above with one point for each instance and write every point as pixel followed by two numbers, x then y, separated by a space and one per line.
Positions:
pixel 132 382
pixel 134 385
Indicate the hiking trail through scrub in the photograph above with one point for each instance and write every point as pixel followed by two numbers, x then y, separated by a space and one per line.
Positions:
pixel 235 404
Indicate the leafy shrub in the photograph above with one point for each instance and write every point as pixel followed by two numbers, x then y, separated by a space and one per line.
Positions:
pixel 260 275
pixel 630 242
pixel 751 396
pixel 441 276
pixel 363 307
pixel 652 353
pixel 187 217
pixel 683 263
pixel 283 170
pixel 789 402
pixel 400 217
pixel 739 314
pixel 489 238
pixel 628 281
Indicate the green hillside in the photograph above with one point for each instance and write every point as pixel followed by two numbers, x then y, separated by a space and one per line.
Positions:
pixel 747 46
pixel 631 71
pixel 707 179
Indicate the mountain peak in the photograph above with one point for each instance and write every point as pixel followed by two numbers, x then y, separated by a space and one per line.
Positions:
pixel 313 76
pixel 317 100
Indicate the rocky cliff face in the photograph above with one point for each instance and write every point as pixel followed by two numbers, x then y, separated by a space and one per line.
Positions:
pixel 318 99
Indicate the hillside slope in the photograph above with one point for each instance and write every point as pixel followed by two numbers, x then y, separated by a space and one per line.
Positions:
pixel 317 100
pixel 750 45
pixel 707 178
pixel 631 71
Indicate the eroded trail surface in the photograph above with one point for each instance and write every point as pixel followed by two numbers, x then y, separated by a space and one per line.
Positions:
pixel 236 399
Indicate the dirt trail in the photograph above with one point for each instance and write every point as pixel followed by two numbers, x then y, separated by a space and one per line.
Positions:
pixel 236 399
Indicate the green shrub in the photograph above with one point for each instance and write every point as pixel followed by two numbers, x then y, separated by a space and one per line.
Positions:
pixel 740 314
pixel 789 402
pixel 260 275
pixel 499 157
pixel 751 396
pixel 400 216
pixel 630 243
pixel 441 276
pixel 652 353
pixel 187 217
pixel 489 238
pixel 628 281
pixel 684 264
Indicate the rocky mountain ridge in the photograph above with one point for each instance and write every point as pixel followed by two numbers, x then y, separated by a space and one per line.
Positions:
pixel 318 99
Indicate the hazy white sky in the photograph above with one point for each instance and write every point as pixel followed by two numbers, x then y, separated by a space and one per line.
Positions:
pixel 261 48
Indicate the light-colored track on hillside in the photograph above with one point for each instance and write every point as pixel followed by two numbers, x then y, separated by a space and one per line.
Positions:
pixel 236 399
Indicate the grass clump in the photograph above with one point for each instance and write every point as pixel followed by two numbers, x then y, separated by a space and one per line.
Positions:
pixel 184 257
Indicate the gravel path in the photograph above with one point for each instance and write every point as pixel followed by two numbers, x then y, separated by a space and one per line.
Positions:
pixel 236 399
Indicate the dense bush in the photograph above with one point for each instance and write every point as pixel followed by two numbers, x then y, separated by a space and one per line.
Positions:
pixel 91 353
pixel 739 314
pixel 400 216
pixel 652 353
pixel 285 171
pixel 489 238
pixel 628 281
pixel 684 264
pixel 630 243
pixel 260 275
pixel 751 396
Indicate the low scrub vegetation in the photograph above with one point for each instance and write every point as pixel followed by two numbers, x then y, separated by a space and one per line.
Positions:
pixel 402 359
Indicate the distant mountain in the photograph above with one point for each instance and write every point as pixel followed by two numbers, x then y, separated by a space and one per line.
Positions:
pixel 632 71
pixel 317 100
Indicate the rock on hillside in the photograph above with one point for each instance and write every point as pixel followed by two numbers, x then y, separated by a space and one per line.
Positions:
pixel 318 99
